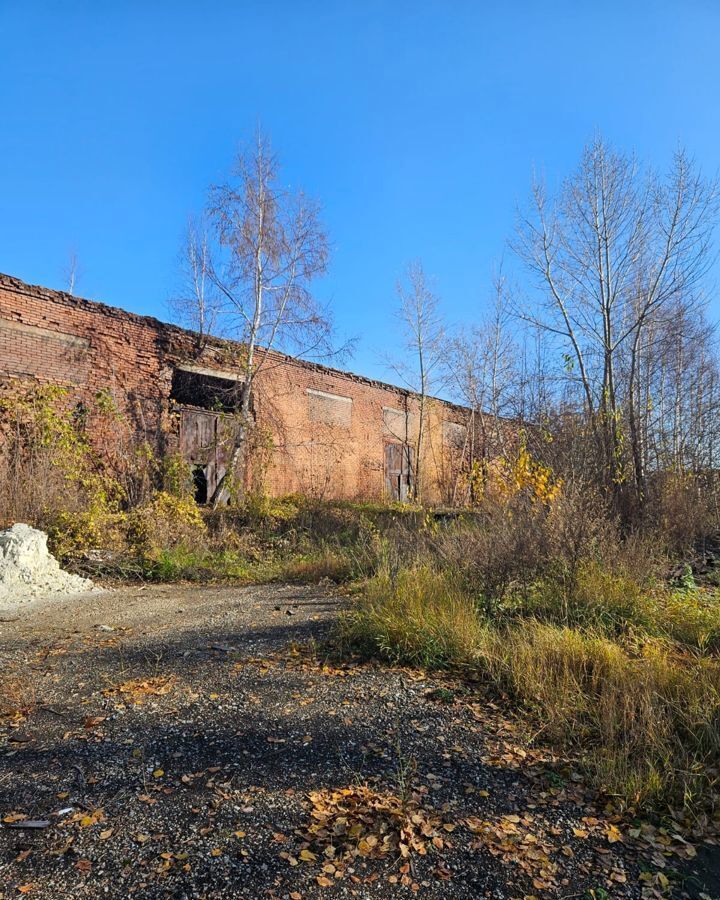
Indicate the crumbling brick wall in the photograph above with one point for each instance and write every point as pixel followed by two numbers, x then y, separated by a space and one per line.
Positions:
pixel 52 337
pixel 327 428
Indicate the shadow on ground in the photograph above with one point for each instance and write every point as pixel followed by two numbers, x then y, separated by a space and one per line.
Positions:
pixel 195 784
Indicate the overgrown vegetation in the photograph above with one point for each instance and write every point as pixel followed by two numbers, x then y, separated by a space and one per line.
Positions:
pixel 607 636
pixel 113 507
pixel 580 581
pixel 610 651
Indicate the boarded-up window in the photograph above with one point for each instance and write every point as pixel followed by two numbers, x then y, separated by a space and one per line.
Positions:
pixel 399 424
pixel 330 409
pixel 454 434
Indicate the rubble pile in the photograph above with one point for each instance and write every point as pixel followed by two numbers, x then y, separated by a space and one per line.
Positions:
pixel 28 569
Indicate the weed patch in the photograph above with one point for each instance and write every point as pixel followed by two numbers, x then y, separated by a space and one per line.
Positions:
pixel 418 618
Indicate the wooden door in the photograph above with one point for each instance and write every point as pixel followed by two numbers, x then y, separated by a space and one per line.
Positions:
pixel 201 445
pixel 398 471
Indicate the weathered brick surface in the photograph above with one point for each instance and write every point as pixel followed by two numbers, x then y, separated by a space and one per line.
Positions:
pixel 329 428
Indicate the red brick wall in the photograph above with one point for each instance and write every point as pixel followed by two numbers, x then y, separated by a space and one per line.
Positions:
pixel 318 448
pixel 325 459
pixel 88 347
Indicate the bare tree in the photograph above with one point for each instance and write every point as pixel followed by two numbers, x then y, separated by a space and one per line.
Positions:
pixel 269 246
pixel 677 371
pixel 484 366
pixel 198 302
pixel 425 341
pixel 496 369
pixel 71 272
pixel 612 254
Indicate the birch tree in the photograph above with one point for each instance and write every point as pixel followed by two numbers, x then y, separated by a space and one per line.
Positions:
pixel 72 272
pixel 424 333
pixel 268 246
pixel 484 367
pixel 610 255
pixel 197 302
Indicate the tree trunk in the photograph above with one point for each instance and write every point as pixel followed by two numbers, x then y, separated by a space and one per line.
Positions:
pixel 237 460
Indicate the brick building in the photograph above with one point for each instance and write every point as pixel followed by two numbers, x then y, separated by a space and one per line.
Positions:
pixel 329 433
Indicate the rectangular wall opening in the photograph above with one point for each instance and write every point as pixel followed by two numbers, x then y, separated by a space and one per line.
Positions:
pixel 205 391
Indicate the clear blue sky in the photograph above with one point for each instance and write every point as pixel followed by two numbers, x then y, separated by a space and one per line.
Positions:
pixel 416 124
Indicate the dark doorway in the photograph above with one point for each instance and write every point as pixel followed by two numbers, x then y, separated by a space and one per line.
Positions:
pixel 200 484
pixel 398 471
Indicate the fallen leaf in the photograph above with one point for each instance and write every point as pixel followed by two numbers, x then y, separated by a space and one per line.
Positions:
pixel 13 817
pixel 93 722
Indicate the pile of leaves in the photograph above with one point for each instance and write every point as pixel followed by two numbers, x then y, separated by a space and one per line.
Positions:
pixel 360 823
pixel 511 838
pixel 17 700
pixel 537 848
pixel 137 690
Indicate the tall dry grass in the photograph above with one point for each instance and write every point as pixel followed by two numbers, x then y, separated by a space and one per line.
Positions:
pixel 418 617
pixel 641 706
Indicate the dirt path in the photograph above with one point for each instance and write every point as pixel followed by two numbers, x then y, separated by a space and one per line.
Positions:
pixel 174 742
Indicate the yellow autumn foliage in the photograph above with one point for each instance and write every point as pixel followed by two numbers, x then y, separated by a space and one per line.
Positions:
pixel 504 478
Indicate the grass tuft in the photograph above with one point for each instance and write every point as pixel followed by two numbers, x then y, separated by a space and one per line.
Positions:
pixel 419 618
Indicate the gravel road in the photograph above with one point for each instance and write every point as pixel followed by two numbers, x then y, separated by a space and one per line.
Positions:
pixel 183 742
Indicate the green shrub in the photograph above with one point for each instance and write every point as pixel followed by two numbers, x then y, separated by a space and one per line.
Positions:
pixel 691 617
pixel 609 601
pixel 165 522
pixel 186 563
pixel 324 563
pixel 65 460
pixel 177 476
pixel 260 509
pixel 615 603
pixel 73 534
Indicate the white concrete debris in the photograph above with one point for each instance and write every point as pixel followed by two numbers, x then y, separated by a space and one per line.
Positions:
pixel 28 570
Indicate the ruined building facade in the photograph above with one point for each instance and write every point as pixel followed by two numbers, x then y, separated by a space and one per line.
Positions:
pixel 326 433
